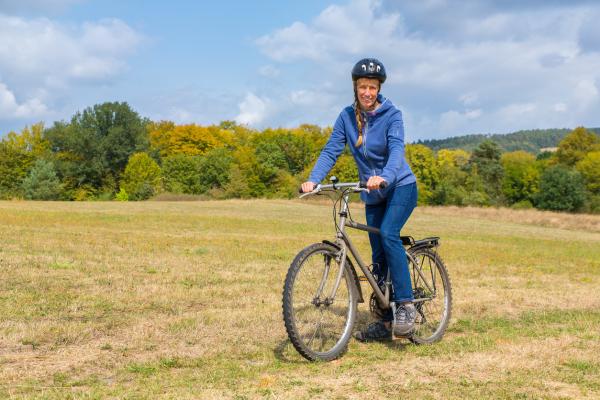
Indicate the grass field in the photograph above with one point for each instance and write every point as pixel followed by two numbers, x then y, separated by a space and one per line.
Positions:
pixel 183 301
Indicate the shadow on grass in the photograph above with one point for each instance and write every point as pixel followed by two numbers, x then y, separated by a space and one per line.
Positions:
pixel 363 319
pixel 285 352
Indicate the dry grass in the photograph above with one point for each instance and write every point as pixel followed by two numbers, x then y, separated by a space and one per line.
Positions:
pixel 183 300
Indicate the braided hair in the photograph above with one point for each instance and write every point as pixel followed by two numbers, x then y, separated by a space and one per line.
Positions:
pixel 359 118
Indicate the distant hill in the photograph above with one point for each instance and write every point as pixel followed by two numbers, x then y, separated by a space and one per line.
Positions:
pixel 529 140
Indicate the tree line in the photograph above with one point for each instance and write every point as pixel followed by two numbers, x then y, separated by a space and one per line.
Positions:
pixel 532 140
pixel 109 152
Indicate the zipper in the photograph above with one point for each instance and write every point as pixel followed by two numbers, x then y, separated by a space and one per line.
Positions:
pixel 365 145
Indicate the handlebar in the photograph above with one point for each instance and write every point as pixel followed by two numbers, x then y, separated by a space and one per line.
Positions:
pixel 355 186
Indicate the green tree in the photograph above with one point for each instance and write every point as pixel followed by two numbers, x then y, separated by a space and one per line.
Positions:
pixel 576 145
pixel 238 186
pixel 246 174
pixel 142 177
pixel 345 169
pixel 42 182
pixel 422 162
pixel 214 169
pixel 181 174
pixel 18 153
pixel 270 160
pixel 14 166
pixel 561 189
pixel 589 167
pixel 521 177
pixel 94 148
pixel 485 164
pixel 451 188
pixel 299 146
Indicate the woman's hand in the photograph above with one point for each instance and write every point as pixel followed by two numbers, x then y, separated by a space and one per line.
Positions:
pixel 374 182
pixel 308 187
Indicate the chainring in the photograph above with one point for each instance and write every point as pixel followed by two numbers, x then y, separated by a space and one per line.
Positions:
pixel 376 310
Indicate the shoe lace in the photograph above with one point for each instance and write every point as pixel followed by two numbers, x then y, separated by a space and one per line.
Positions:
pixel 403 314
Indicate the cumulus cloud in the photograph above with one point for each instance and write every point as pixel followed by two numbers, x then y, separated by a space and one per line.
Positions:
pixel 253 110
pixel 43 61
pixel 9 107
pixel 40 51
pixel 457 67
pixel 351 29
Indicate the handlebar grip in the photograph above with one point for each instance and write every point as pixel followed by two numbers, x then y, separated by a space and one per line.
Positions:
pixel 301 192
pixel 363 185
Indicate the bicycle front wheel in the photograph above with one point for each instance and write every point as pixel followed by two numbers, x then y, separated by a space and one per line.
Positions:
pixel 433 295
pixel 318 325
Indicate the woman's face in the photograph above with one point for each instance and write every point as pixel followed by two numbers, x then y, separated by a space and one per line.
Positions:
pixel 366 90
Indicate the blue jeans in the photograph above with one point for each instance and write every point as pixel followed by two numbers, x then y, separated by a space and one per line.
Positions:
pixel 387 250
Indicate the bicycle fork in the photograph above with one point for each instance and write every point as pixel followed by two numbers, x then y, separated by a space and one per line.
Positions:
pixel 340 258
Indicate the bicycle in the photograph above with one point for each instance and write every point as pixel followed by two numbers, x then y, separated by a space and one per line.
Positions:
pixel 322 287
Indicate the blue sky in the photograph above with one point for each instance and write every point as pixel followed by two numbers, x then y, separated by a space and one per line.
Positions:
pixel 454 67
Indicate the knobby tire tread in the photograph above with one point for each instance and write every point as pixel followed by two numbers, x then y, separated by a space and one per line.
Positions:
pixel 448 289
pixel 288 312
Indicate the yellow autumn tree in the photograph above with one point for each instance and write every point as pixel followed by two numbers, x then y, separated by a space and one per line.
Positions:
pixel 170 139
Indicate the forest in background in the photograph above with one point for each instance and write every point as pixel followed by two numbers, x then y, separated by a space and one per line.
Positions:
pixel 533 140
pixel 109 152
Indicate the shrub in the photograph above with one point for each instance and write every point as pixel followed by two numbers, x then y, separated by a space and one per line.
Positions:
pixel 42 182
pixel 142 177
pixel 561 189
pixel 181 174
pixel 122 195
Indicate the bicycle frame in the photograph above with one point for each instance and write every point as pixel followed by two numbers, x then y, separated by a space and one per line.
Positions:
pixel 344 243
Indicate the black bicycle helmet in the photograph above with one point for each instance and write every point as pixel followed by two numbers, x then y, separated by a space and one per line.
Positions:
pixel 369 68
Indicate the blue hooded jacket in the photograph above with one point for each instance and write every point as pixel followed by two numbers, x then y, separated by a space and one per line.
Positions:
pixel 380 154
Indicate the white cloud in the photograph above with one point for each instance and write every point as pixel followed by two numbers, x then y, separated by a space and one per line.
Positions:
pixel 456 67
pixel 9 107
pixel 352 29
pixel 253 110
pixel 41 50
pixel 304 97
pixel 43 60
pixel 586 94
pixel 452 120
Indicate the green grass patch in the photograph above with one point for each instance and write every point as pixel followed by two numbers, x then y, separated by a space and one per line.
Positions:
pixel 149 300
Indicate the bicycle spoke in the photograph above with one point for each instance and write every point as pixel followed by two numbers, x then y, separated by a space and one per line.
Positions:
pixel 320 325
pixel 430 290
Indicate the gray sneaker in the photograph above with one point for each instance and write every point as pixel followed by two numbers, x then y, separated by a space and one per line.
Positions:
pixel 404 319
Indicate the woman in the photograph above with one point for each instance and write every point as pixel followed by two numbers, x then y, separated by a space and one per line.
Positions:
pixel 372 127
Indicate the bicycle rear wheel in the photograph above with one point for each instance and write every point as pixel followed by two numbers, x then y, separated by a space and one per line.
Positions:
pixel 319 327
pixel 433 295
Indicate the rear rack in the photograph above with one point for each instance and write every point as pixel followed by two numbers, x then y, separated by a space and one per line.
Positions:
pixel 427 242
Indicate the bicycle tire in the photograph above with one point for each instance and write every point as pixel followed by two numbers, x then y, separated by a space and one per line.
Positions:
pixel 432 290
pixel 304 278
